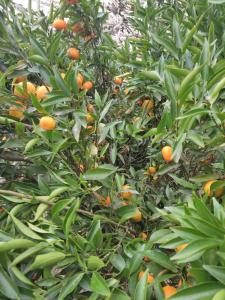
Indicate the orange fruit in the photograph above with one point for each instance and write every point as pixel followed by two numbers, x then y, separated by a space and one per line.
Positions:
pixel 91 129
pixel 17 111
pixel 167 153
pixel 59 24
pixel 90 108
pixel 72 1
pixel 146 259
pixel 137 217
pixel 42 91
pixel 88 85
pixel 77 28
pixel 151 114
pixel 147 105
pixel 143 235
pixel 150 277
pixel 218 192
pixel 19 91
pixel 151 170
pixel 2 209
pixel 118 80
pixel 80 80
pixel 181 247
pixel 20 79
pixel 89 118
pixel 116 90
pixel 73 53
pixel 105 201
pixel 126 194
pixel 47 123
pixel 169 290
pixel 81 168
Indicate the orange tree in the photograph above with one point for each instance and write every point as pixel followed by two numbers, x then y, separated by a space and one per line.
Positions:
pixel 96 139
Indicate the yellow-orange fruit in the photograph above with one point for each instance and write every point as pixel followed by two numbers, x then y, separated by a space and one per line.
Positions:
pixel 169 290
pixel 88 85
pixel 2 209
pixel 42 91
pixel 77 28
pixel 143 235
pixel 116 90
pixel 81 168
pixel 126 194
pixel 146 259
pixel 181 247
pixel 90 108
pixel 167 153
pixel 151 170
pixel 90 118
pixel 147 105
pixel 137 217
pixel 59 24
pixel 20 92
pixel 17 111
pixel 80 80
pixel 63 75
pixel 126 91
pixel 73 53
pixel 150 277
pixel 218 192
pixel 105 201
pixel 47 123
pixel 20 79
pixel 118 80
pixel 151 114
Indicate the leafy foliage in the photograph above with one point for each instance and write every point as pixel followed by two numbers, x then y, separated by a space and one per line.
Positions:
pixel 82 214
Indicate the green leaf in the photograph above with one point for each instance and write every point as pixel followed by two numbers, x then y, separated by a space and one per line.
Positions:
pixel 217 272
pixel 29 252
pixel 95 263
pixel 160 258
pixel 70 285
pixel 199 292
pixel 24 229
pixel 220 295
pixel 105 110
pixel 150 75
pixel 214 93
pixel 45 260
pixel 7 286
pixel 100 173
pixel 178 147
pixel 188 83
pixel 15 244
pixel 141 288
pixel 118 262
pixel 19 275
pixel 39 59
pixel 183 182
pixel 99 285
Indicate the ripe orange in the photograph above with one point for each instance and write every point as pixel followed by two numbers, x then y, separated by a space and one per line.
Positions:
pixel 77 28
pixel 88 85
pixel 137 217
pixel 89 37
pixel 72 1
pixel 181 247
pixel 20 92
pixel 42 91
pixel 73 53
pixel 20 79
pixel 118 80
pixel 81 168
pixel 91 129
pixel 143 235
pixel 147 105
pixel 126 194
pixel 90 118
pixel 116 90
pixel 146 259
pixel 169 290
pixel 150 277
pixel 151 114
pixel 167 153
pixel 2 209
pixel 90 108
pixel 151 170
pixel 80 80
pixel 17 111
pixel 218 192
pixel 47 123
pixel 59 24
pixel 105 201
